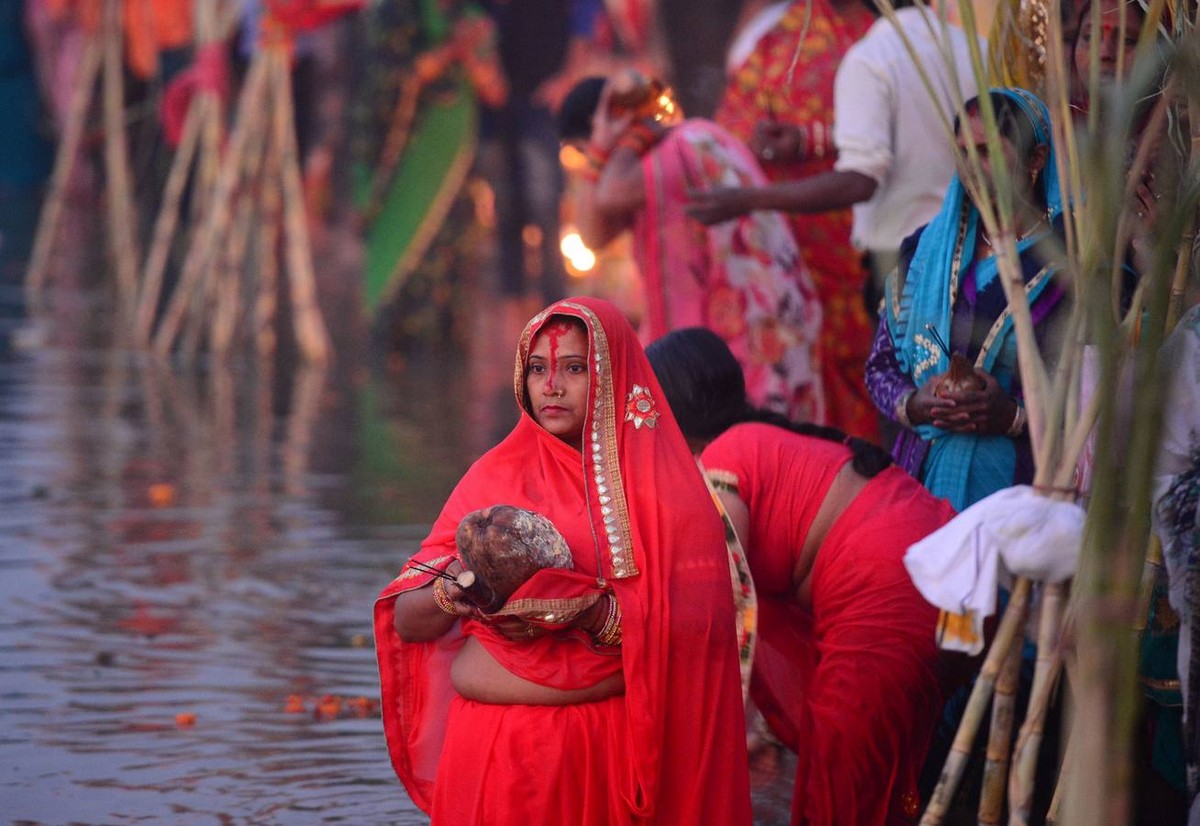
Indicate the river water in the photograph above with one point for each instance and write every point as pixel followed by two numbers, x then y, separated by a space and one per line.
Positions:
pixel 188 559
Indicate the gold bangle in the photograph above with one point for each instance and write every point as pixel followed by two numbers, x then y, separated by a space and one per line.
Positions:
pixel 442 597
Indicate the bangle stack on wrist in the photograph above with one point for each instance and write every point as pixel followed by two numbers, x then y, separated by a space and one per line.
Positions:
pixel 442 597
pixel 610 633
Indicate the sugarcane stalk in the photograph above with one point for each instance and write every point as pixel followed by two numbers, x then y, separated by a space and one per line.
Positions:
pixel 1007 636
pixel 1045 679
pixel 310 329
pixel 1055 807
pixel 1179 280
pixel 995 769
pixel 50 220
pixel 122 224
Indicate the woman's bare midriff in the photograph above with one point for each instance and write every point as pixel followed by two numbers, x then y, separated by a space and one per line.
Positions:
pixel 846 486
pixel 476 675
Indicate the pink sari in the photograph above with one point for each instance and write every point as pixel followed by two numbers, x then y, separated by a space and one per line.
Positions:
pixel 744 279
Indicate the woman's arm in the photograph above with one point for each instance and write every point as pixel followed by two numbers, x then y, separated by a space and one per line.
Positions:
pixel 887 383
pixel 422 614
pixel 608 207
pixel 818 193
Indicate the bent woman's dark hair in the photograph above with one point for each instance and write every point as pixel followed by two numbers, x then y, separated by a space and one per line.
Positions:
pixel 706 390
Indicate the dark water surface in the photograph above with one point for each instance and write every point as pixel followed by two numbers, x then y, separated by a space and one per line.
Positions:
pixel 188 559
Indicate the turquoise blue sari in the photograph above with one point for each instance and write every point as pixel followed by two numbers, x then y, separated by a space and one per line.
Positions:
pixel 960 467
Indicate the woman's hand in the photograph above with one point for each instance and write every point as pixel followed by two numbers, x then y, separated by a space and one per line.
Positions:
pixel 926 407
pixel 774 142
pixel 986 412
pixel 714 206
pixel 607 130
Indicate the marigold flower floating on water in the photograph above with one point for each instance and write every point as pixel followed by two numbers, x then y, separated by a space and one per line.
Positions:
pixel 185 719
pixel 331 706
pixel 162 494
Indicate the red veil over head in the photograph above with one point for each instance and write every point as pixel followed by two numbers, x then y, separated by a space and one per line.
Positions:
pixel 639 520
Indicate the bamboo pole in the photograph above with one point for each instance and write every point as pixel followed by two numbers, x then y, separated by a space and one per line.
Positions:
pixel 64 165
pixel 122 216
pixel 218 217
pixel 1007 636
pixel 165 224
pixel 227 278
pixel 995 769
pixel 311 334
pixel 267 290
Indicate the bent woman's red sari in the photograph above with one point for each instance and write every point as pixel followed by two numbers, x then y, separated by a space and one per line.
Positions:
pixel 788 76
pixel 639 520
pixel 856 684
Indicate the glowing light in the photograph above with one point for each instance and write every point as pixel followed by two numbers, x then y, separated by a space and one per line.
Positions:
pixel 580 259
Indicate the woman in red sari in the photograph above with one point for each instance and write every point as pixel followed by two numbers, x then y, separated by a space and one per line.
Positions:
pixel 615 697
pixel 846 672
pixel 744 279
pixel 779 100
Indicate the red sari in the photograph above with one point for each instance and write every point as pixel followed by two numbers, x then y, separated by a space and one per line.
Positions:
pixel 856 685
pixel 758 89
pixel 639 520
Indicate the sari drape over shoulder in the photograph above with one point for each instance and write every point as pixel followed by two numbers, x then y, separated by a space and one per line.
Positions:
pixel 639 521
pixel 743 279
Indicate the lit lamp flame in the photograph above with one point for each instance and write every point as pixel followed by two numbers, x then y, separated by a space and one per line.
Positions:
pixel 580 259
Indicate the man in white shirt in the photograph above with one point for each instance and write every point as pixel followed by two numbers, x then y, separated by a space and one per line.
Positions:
pixel 888 127
pixel 895 154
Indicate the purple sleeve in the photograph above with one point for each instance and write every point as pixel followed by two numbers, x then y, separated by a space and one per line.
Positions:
pixel 885 378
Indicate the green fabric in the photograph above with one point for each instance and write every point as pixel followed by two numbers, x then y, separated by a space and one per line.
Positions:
pixel 444 131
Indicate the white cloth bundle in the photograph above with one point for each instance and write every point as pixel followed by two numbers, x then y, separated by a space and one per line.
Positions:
pixel 1013 532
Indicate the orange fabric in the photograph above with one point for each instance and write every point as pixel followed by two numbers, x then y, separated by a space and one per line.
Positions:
pixel 758 90
pixel 152 26
pixel 635 513
pixel 856 685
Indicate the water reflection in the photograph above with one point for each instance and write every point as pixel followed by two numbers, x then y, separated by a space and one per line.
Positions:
pixel 187 564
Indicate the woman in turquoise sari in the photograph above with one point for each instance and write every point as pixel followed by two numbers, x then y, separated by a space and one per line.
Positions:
pixel 964 444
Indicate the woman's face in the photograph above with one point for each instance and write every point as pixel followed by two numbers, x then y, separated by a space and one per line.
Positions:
pixel 556 380
pixel 1022 171
pixel 1116 44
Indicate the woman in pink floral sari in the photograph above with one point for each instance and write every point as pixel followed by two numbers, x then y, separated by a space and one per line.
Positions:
pixel 744 279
